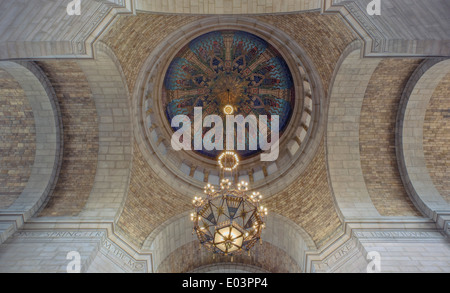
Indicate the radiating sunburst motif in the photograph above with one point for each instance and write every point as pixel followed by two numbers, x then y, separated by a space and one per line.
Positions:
pixel 229 68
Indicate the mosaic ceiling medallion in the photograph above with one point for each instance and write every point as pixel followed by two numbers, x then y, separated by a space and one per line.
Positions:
pixel 229 73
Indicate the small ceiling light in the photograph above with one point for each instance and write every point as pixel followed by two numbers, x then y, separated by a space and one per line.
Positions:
pixel 228 110
pixel 228 161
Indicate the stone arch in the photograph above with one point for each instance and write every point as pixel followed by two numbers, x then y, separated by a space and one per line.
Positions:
pixel 110 94
pixel 48 129
pixel 281 234
pixel 347 92
pixel 229 268
pixel 265 257
pixel 409 139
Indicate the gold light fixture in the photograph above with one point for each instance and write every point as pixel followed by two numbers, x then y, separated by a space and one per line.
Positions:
pixel 228 109
pixel 230 220
pixel 228 161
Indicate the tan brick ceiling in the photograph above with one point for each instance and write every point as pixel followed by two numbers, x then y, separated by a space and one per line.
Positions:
pixel 308 202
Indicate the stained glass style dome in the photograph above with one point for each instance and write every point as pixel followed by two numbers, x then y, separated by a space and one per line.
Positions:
pixel 234 68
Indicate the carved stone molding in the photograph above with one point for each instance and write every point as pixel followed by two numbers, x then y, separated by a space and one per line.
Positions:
pixel 118 250
pixel 391 33
pixel 348 246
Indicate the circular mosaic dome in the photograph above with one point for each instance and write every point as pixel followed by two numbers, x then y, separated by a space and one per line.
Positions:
pixel 229 72
pixel 227 69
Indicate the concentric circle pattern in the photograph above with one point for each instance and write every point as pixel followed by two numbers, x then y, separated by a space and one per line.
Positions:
pixel 234 68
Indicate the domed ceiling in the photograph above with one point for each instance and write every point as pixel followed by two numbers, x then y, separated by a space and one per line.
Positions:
pixel 229 67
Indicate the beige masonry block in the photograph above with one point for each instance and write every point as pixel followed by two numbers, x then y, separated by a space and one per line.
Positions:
pixel 226 6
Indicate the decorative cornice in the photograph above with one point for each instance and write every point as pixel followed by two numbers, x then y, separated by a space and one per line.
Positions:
pixel 346 245
pixel 327 259
pixel 112 246
pixel 358 20
pixel 84 42
pixel 398 235
pixel 375 34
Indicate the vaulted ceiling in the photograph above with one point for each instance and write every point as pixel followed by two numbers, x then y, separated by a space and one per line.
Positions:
pixel 345 155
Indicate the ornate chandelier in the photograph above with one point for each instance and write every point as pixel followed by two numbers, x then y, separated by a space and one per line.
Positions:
pixel 228 221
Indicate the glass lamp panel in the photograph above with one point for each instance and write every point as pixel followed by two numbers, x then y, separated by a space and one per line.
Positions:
pixel 237 238
pixel 238 242
pixel 233 248
pixel 235 233
pixel 219 237
pixel 222 247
